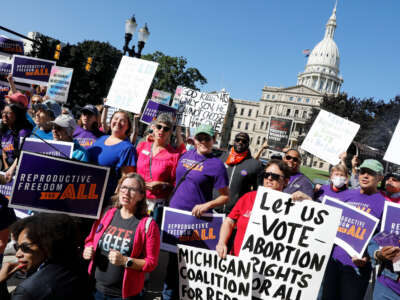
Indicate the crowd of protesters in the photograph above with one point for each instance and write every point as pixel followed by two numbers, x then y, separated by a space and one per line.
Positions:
pixel 165 169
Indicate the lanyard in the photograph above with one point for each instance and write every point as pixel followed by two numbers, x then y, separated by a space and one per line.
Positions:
pixel 151 158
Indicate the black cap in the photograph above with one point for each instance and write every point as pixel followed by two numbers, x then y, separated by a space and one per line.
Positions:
pixel 91 109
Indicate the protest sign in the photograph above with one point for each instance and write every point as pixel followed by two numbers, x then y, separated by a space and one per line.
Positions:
pixel 392 152
pixel 153 109
pixel 203 275
pixel 391 218
pixel 196 108
pixel 329 136
pixel 356 227
pixel 10 46
pixel 177 96
pixel 5 70
pixel 31 70
pixel 289 244
pixel 180 227
pixel 110 111
pixel 53 148
pixel 279 132
pixel 131 83
pixel 161 97
pixel 53 184
pixel 59 82
pixel 6 189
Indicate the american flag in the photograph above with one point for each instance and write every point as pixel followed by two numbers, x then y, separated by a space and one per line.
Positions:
pixel 306 52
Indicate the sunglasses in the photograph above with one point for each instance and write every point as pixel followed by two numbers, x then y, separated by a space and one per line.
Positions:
pixel 295 159
pixel 203 138
pixel 367 171
pixel 24 247
pixel 273 176
pixel 243 141
pixel 165 128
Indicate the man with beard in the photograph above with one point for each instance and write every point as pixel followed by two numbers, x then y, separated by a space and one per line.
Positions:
pixel 243 171
pixel 392 188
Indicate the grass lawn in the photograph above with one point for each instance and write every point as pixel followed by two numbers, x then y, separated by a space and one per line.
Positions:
pixel 314 173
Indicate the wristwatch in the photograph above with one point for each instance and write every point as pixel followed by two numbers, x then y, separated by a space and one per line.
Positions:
pixel 129 263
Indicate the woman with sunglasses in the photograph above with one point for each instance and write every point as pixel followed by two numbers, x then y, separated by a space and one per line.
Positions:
pixel 47 252
pixel 124 244
pixel 276 176
pixel 157 163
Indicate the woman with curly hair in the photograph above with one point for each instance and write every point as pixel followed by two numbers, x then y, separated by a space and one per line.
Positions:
pixel 124 244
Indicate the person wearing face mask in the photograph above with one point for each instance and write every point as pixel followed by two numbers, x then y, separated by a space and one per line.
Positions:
pixel 338 183
pixel 392 188
pixel 243 171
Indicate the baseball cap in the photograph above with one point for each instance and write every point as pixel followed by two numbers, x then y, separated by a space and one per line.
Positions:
pixel 394 174
pixel 205 128
pixel 91 109
pixel 52 106
pixel 19 98
pixel 67 122
pixel 373 165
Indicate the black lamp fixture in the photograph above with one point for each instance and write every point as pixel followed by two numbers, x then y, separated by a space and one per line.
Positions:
pixel 130 28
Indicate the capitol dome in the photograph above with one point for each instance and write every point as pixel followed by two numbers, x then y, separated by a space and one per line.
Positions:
pixel 325 54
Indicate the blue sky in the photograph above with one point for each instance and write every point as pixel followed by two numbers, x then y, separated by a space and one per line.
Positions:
pixel 238 45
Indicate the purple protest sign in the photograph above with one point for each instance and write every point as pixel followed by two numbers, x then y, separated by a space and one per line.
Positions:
pixel 6 189
pixel 391 218
pixel 11 46
pixel 53 184
pixel 31 70
pixel 355 229
pixel 153 109
pixel 53 148
pixel 180 227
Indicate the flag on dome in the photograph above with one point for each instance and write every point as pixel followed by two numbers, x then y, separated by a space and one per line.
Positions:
pixel 306 52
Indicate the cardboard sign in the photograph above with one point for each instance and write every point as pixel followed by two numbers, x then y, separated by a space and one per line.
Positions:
pixel 329 136
pixel 196 108
pixel 53 148
pixel 131 83
pixel 289 244
pixel 52 184
pixel 153 109
pixel 10 46
pixel 204 275
pixel 161 97
pixel 59 82
pixel 31 70
pixel 279 133
pixel 180 227
pixel 391 218
pixel 392 152
pixel 356 227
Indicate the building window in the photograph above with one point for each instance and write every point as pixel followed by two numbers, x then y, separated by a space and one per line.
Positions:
pixel 261 125
pixel 270 111
pixel 242 111
pixel 304 114
pixel 315 163
pixel 258 140
pixel 249 114
pixel 296 113
pixel 321 165
pixel 246 127
pixel 273 96
pixel 239 124
pixel 264 138
pixel 308 100
pixel 299 99
pixel 300 130
pixel 291 98
pixel 268 96
pixel 265 109
pixel 288 112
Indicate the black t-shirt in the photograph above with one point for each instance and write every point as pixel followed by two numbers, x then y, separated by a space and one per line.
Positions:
pixel 119 236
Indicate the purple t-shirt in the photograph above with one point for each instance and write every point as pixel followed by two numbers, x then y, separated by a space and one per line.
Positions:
pixel 326 190
pixel 372 204
pixel 199 183
pixel 85 137
pixel 10 143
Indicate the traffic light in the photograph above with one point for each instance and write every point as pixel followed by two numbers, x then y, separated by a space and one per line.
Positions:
pixel 57 52
pixel 88 64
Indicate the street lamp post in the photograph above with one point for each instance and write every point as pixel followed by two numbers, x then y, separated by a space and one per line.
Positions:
pixel 130 28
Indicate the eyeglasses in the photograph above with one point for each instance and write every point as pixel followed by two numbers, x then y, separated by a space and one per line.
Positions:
pixel 24 247
pixel 295 159
pixel 165 128
pixel 273 176
pixel 131 190
pixel 243 141
pixel 203 138
pixel 367 171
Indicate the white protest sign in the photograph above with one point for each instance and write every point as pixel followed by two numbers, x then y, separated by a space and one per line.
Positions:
pixel 131 83
pixel 196 108
pixel 59 82
pixel 289 244
pixel 329 136
pixel 392 152
pixel 203 275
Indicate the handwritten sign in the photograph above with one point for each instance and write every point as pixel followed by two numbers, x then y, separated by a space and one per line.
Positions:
pixel 196 108
pixel 329 136
pixel 279 132
pixel 153 109
pixel 392 152
pixel 31 70
pixel 59 82
pixel 289 244
pixel 131 83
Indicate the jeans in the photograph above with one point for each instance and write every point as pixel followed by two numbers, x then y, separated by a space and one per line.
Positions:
pixel 100 296
pixel 382 292
pixel 171 282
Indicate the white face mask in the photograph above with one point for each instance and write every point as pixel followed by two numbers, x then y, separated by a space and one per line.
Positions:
pixel 338 181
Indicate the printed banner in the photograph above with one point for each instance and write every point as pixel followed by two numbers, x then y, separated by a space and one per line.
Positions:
pixel 161 97
pixel 131 83
pixel 52 184
pixel 204 275
pixel 392 152
pixel 177 96
pixel 180 227
pixel 6 189
pixel 59 82
pixel 153 109
pixel 11 46
pixel 289 244
pixel 391 218
pixel 57 148
pixel 110 111
pixel 279 133
pixel 329 136
pixel 196 108
pixel 356 227
pixel 31 70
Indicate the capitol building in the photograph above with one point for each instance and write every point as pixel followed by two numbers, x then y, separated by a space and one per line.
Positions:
pixel 320 77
